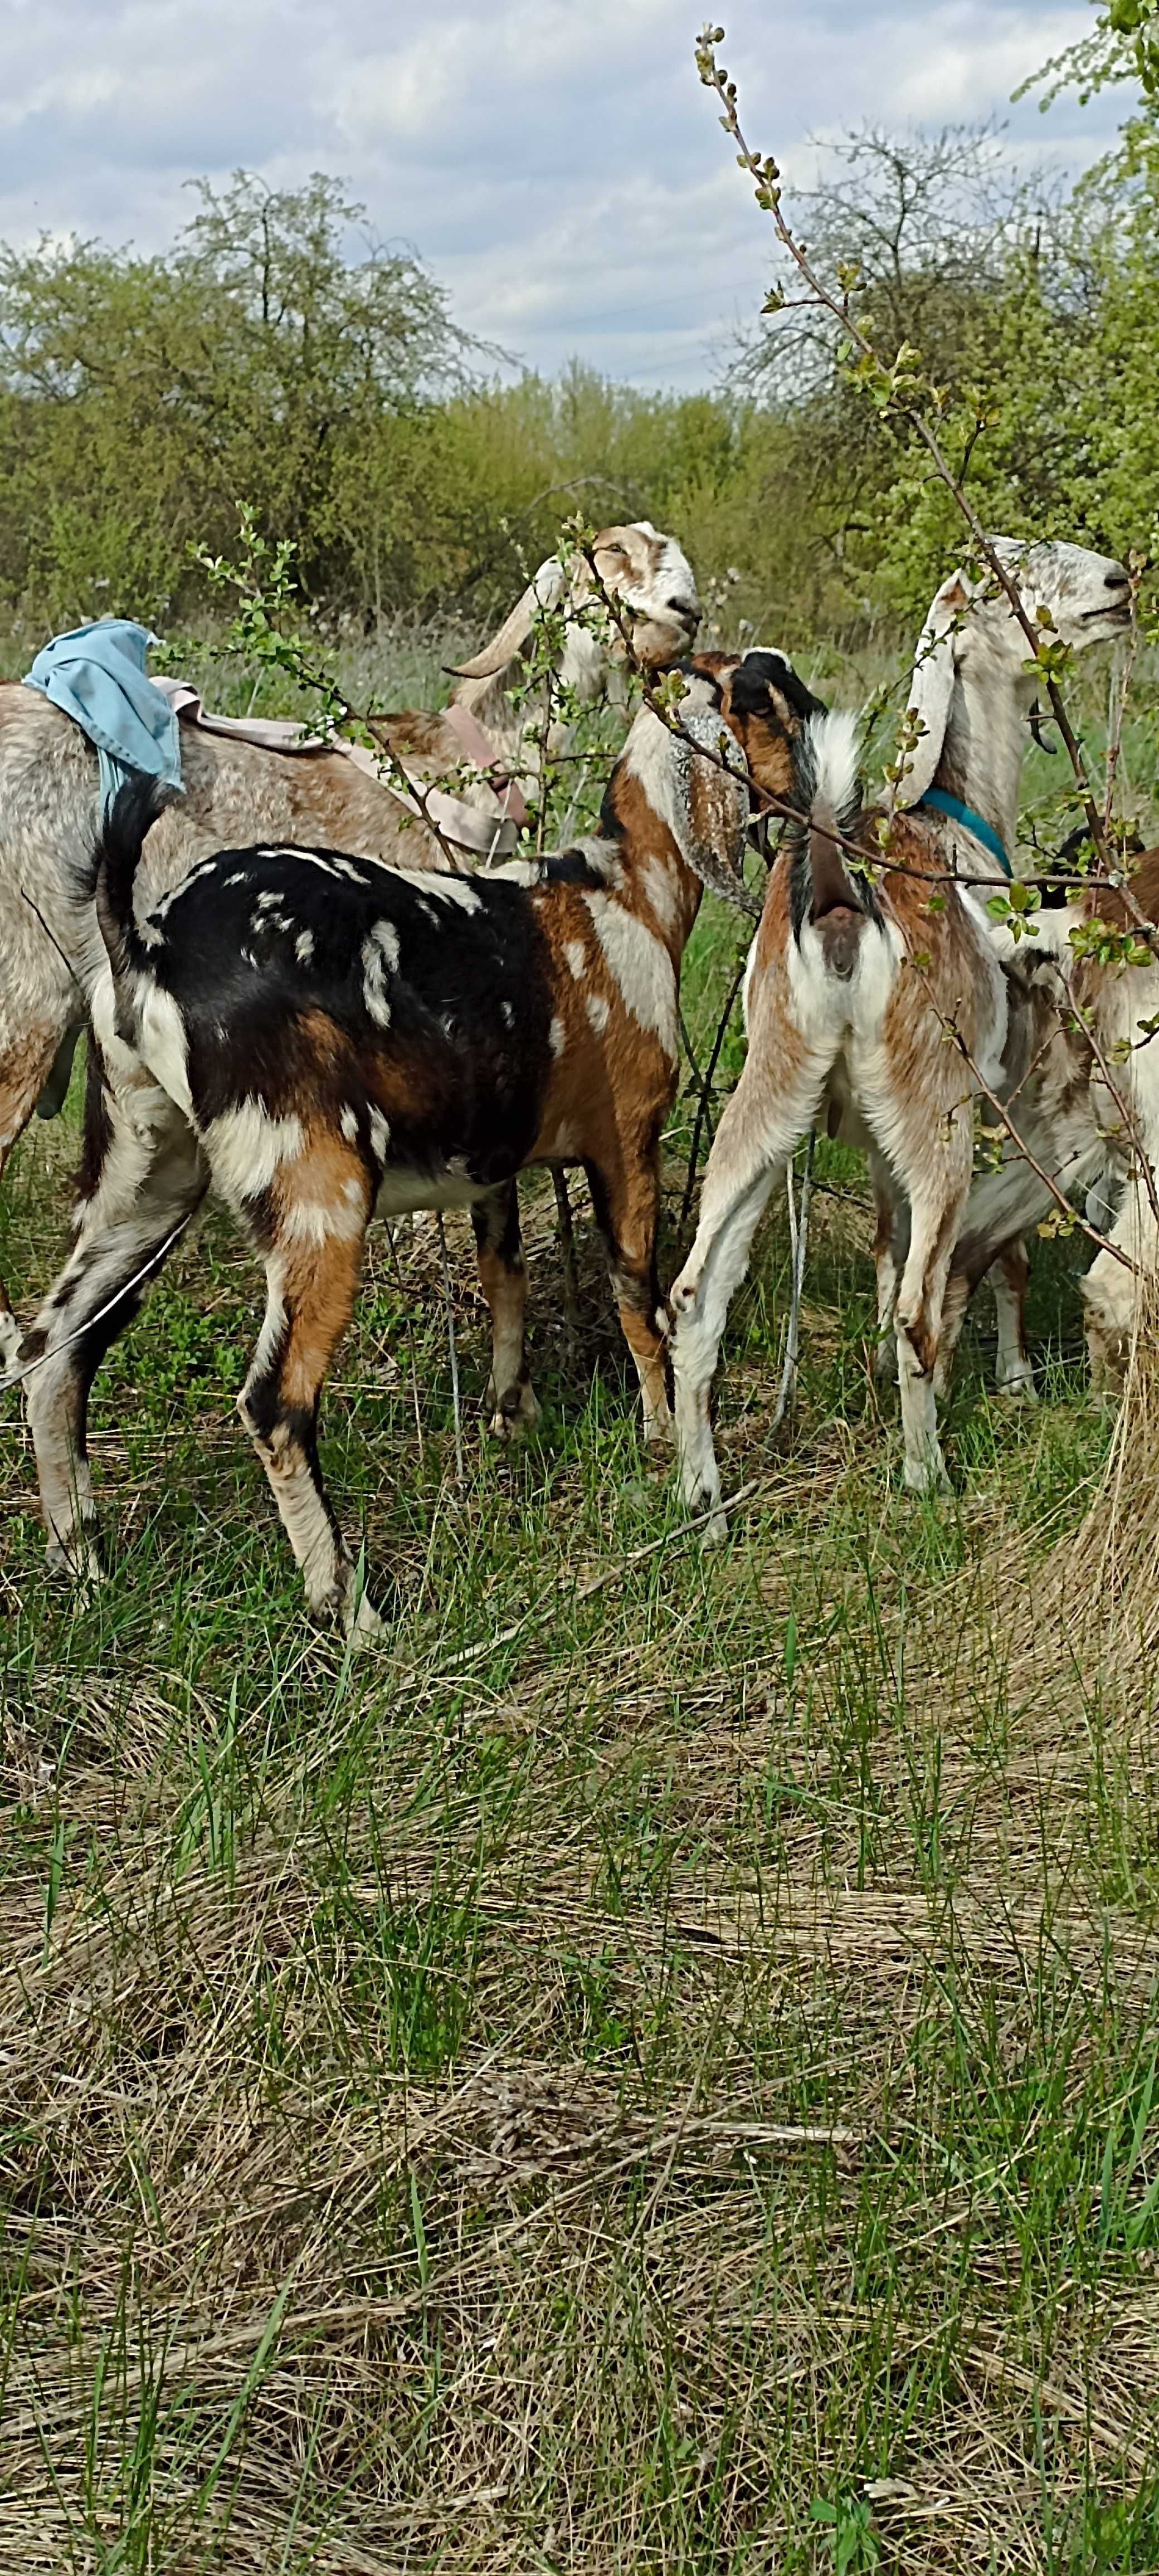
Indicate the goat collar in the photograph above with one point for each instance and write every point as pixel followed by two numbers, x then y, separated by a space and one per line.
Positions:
pixel 971 822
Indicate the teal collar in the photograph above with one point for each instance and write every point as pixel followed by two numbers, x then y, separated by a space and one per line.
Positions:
pixel 970 822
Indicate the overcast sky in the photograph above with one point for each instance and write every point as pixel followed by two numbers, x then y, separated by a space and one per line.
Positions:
pixel 555 161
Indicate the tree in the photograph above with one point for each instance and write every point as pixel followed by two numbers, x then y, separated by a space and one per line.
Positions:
pixel 143 398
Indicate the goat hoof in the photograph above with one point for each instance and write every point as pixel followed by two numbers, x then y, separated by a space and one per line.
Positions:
pixel 926 1476
pixel 362 1623
pixel 78 1561
pixel 713 1531
pixel 1019 1389
pixel 513 1412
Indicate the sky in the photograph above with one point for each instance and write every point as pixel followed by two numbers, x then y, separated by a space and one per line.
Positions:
pixel 555 162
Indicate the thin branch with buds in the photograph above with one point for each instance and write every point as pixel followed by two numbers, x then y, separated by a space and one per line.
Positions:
pixel 898 389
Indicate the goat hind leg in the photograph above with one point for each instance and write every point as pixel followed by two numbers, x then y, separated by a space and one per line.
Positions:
pixel 503 1280
pixel 1013 1370
pixel 890 1243
pixel 25 1067
pixel 143 1173
pixel 626 1198
pixel 310 1294
pixel 937 1197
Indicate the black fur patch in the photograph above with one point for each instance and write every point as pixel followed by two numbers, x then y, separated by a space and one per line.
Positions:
pixel 572 867
pixel 97 1132
pixel 318 984
pixel 758 673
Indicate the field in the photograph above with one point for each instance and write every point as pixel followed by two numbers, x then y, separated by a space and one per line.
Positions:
pixel 657 2069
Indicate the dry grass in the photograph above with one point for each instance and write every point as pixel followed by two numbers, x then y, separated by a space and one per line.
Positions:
pixel 676 2091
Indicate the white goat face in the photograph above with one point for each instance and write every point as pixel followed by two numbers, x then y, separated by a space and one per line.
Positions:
pixel 972 630
pixel 1087 596
pixel 653 578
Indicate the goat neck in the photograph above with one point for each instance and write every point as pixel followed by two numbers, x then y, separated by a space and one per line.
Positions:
pixel 663 804
pixel 985 737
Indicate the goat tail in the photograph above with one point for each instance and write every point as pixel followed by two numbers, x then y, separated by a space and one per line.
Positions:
pixel 116 858
pixel 825 892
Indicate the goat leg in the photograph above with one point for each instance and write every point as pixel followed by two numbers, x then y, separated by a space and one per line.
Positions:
pixel 503 1280
pixel 143 1171
pixel 626 1199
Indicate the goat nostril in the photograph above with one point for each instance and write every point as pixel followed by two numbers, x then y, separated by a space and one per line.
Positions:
pixel 686 608
pixel 1118 580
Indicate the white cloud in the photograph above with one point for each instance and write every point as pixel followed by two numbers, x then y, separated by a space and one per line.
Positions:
pixel 555 161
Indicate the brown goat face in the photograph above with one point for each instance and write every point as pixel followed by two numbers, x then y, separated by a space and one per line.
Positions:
pixel 652 578
pixel 765 705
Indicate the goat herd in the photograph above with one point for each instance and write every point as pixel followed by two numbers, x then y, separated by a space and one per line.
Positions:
pixel 293 997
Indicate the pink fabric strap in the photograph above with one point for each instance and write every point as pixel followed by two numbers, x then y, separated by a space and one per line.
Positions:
pixel 481 750
pixel 487 836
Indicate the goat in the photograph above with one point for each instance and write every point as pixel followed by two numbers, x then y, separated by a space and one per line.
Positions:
pixel 854 983
pixel 636 565
pixel 50 950
pixel 319 1036
pixel 1071 1011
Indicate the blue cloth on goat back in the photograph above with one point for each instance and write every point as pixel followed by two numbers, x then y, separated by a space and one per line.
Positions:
pixel 96 674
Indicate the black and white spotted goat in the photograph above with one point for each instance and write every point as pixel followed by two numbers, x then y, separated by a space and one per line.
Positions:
pixel 320 1037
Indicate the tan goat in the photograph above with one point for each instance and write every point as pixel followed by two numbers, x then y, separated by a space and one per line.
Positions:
pixel 854 983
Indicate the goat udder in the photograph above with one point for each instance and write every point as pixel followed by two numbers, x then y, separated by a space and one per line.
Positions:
pixel 839 931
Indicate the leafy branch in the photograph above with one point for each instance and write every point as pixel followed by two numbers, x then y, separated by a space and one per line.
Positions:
pixel 263 629
pixel 898 390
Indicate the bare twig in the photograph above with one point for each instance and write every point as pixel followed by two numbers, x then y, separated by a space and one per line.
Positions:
pixel 567 1257
pixel 706 1087
pixel 451 1345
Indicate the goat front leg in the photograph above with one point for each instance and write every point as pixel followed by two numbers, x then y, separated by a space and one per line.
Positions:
pixel 142 1173
pixel 890 1245
pixel 26 1063
pixel 938 1189
pixel 757 1135
pixel 503 1280
pixel 1013 1368
pixel 626 1197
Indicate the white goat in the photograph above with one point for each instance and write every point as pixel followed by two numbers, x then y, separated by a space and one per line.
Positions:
pixel 854 983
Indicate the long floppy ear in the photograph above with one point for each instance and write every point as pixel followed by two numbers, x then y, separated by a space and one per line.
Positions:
pixel 932 685
pixel 545 590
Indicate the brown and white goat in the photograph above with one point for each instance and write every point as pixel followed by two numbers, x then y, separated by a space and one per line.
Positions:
pixel 854 985
pixel 318 1037
pixel 637 565
pixel 50 949
pixel 1068 1012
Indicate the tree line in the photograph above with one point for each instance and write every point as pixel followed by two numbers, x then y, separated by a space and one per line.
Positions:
pixel 260 360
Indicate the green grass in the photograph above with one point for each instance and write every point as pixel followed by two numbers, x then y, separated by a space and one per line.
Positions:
pixel 655 2071
pixel 672 2087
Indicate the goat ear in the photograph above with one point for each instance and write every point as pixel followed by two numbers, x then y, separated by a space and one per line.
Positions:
pixel 545 590
pixel 932 686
